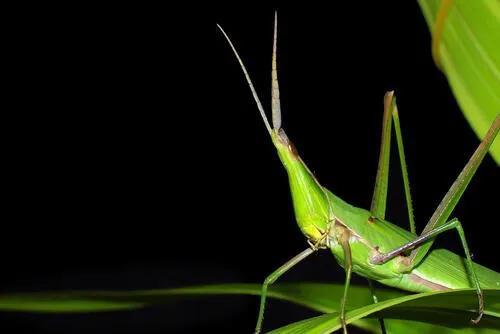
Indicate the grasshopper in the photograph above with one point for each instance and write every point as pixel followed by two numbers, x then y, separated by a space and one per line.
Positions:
pixel 361 240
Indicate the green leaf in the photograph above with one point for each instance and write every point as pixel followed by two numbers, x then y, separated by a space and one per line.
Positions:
pixel 448 309
pixel 316 296
pixel 441 312
pixel 470 58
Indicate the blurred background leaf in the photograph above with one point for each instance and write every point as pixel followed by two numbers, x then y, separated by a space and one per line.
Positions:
pixel 469 55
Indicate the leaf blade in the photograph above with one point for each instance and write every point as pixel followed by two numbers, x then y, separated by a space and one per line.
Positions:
pixel 421 307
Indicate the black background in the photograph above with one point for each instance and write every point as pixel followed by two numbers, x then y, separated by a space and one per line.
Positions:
pixel 135 160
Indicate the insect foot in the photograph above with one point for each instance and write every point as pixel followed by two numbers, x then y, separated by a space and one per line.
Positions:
pixel 481 308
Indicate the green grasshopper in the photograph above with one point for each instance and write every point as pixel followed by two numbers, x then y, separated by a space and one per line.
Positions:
pixel 362 241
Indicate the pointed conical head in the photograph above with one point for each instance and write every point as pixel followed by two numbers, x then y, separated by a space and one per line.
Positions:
pixel 309 198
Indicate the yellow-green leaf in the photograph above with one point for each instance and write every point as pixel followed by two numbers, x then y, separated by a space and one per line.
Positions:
pixel 469 54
